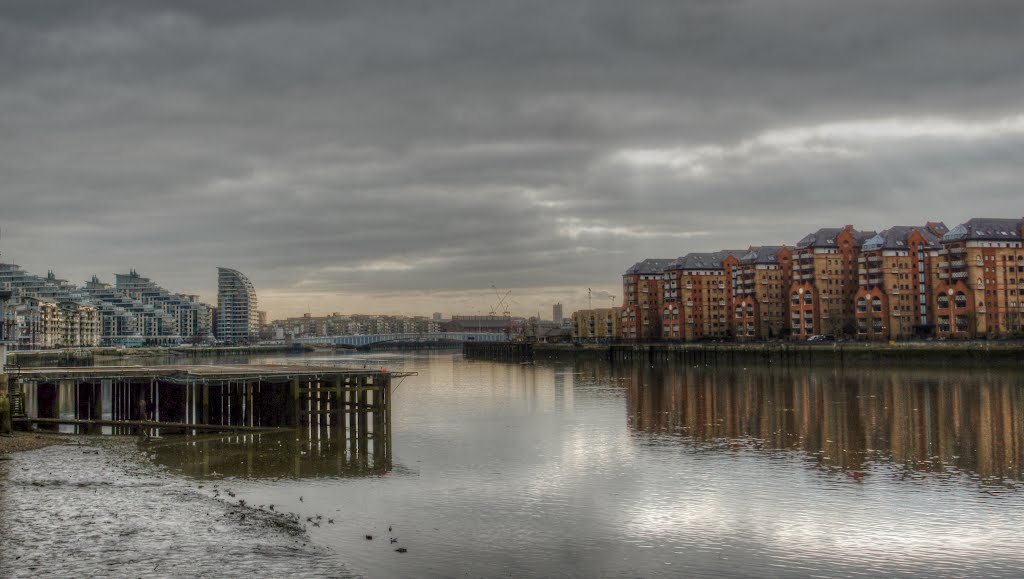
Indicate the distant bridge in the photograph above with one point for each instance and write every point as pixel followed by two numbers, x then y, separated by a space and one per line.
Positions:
pixel 368 339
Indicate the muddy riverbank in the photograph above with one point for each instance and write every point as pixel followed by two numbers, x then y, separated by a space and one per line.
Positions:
pixel 23 441
pixel 99 507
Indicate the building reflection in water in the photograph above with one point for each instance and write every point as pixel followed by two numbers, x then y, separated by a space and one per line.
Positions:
pixel 926 420
pixel 310 452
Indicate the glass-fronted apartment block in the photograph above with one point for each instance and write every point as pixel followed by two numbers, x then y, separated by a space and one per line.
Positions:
pixel 133 313
pixel 237 318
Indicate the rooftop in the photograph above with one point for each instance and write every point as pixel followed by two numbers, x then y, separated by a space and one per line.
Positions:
pixel 711 260
pixel 649 266
pixel 826 237
pixel 896 237
pixel 986 228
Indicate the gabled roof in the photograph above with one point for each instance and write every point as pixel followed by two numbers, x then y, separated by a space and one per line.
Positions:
pixel 711 260
pixel 826 237
pixel 649 266
pixel 986 228
pixel 896 238
pixel 762 254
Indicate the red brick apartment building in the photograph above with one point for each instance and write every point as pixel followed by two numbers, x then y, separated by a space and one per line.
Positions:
pixel 905 282
pixel 894 298
pixel 698 296
pixel 642 297
pixel 760 291
pixel 824 282
pixel 978 279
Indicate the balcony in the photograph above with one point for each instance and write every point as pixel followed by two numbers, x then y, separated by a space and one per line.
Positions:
pixel 959 263
pixel 959 274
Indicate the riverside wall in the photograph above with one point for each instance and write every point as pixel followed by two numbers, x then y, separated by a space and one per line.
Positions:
pixel 973 354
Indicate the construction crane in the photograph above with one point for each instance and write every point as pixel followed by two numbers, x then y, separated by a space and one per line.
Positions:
pixel 500 305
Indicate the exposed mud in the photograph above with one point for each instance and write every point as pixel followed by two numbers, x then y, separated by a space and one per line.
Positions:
pixel 22 441
pixel 99 507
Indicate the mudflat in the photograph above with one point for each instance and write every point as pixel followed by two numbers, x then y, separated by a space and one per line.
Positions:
pixel 22 441
pixel 98 506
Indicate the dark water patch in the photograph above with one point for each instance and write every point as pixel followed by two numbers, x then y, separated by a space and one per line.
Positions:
pixel 309 452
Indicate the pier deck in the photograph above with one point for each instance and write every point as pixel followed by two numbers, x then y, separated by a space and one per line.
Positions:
pixel 351 402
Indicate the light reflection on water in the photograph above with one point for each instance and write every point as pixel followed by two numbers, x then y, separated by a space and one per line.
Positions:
pixel 588 469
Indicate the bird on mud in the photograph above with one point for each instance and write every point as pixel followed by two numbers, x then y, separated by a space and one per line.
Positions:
pixel 300 498
pixel 271 507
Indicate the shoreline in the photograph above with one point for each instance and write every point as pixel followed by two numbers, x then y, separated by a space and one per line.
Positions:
pixel 107 355
pixel 99 506
pixel 974 353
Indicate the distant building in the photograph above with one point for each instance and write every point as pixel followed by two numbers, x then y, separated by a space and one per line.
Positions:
pixel 484 324
pixel 825 280
pixel 697 300
pixel 978 279
pixel 237 317
pixel 438 316
pixel 556 313
pixel 760 293
pixel 642 298
pixel 597 325
pixel 181 315
pixel 895 280
pixel 37 323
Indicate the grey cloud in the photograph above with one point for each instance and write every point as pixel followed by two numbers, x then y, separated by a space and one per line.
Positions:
pixel 341 147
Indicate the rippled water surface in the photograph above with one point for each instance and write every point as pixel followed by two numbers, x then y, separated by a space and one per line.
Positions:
pixel 589 470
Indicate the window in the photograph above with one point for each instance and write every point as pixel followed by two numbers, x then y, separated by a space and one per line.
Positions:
pixel 807 298
pixel 960 300
pixel 961 323
pixel 943 301
pixel 862 305
pixel 876 305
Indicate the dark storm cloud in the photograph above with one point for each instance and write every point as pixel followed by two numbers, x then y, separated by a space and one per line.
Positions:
pixel 408 146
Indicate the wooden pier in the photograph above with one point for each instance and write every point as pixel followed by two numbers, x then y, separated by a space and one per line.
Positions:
pixel 353 403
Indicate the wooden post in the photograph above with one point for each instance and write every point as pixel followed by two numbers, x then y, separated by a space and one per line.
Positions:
pixel 350 407
pixel 363 397
pixel 206 404
pixel 248 404
pixel 6 426
pixel 296 407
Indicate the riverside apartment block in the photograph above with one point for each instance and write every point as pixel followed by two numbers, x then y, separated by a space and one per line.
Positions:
pixel 899 283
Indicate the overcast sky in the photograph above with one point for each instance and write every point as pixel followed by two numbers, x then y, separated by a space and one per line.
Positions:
pixel 400 157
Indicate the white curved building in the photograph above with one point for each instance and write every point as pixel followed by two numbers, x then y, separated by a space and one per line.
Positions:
pixel 237 318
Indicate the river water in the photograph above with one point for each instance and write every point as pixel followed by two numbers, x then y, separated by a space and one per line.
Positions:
pixel 587 469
